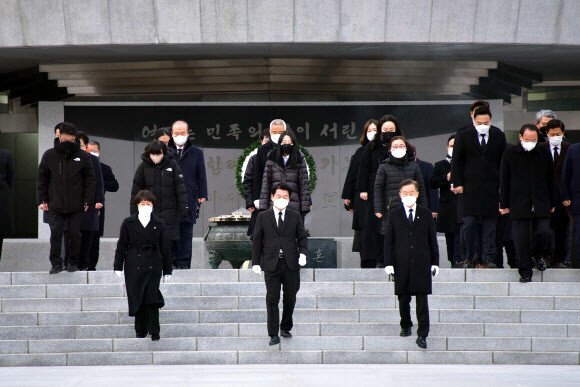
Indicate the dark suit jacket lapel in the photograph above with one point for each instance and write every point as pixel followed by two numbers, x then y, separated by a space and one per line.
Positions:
pixel 286 220
pixel 274 221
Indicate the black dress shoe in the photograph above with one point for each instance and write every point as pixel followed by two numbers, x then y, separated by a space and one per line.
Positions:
pixel 541 265
pixel 285 333
pixel 467 264
pixel 526 278
pixel 422 342
pixel 274 340
pixel 55 269
pixel 155 337
pixel 490 265
pixel 72 268
pixel 141 335
pixel 405 332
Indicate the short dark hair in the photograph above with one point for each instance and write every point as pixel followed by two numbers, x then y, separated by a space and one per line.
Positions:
pixel 144 196
pixel 553 124
pixel 83 136
pixel 407 182
pixel 481 111
pixel 66 128
pixel 363 138
pixel 266 134
pixel 98 144
pixel 281 186
pixel 531 127
pixel 452 137
pixel 162 132
pixel 477 104
pixel 155 147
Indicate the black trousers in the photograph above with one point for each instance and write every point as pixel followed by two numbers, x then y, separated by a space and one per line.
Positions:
pixel 289 281
pixel 94 250
pixel 422 313
pixel 476 227
pixel 531 238
pixel 561 227
pixel 503 240
pixel 86 243
pixel 452 240
pixel 181 249
pixel 147 320
pixel 73 237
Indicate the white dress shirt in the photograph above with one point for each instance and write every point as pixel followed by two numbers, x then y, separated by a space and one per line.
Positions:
pixel 414 208
pixel 552 147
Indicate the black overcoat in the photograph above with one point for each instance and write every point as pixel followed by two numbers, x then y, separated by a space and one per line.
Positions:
pixel 349 190
pixel 476 169
pixel 411 250
pixel 6 184
pixel 365 182
pixel 527 181
pixel 166 182
pixel 144 255
pixel 447 215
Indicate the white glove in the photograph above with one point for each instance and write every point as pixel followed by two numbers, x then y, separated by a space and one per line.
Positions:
pixel 166 277
pixel 436 269
pixel 390 270
pixel 257 204
pixel 256 269
pixel 302 260
pixel 119 273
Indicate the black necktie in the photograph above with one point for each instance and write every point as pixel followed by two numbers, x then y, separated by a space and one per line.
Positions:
pixel 179 151
pixel 483 143
pixel 280 221
pixel 411 216
pixel 556 155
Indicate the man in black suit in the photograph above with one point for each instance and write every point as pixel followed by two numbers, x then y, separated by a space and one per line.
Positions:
pixel 475 174
pixel 111 185
pixel 252 192
pixel 412 255
pixel 280 245
pixel 560 219
pixel 529 194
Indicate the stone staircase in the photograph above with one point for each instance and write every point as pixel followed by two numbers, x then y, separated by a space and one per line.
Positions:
pixel 480 316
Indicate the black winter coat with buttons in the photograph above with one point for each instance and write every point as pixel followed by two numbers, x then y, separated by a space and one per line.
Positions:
pixel 144 254
pixel 166 182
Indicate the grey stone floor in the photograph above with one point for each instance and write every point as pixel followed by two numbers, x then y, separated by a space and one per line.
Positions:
pixel 294 375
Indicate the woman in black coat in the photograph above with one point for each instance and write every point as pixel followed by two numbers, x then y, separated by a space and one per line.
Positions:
pixel 352 199
pixel 447 215
pixel 6 183
pixel 377 150
pixel 399 166
pixel 143 253
pixel 286 164
pixel 162 176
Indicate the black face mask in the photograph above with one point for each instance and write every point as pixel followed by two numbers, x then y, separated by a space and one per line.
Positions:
pixel 386 137
pixel 286 148
pixel 65 146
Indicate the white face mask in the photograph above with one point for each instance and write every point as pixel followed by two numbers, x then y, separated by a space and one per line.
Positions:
pixel 399 153
pixel 409 201
pixel 482 129
pixel 145 211
pixel 180 140
pixel 371 135
pixel 556 140
pixel 450 152
pixel 528 146
pixel 275 138
pixel 281 203
pixel 156 158
pixel 96 154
